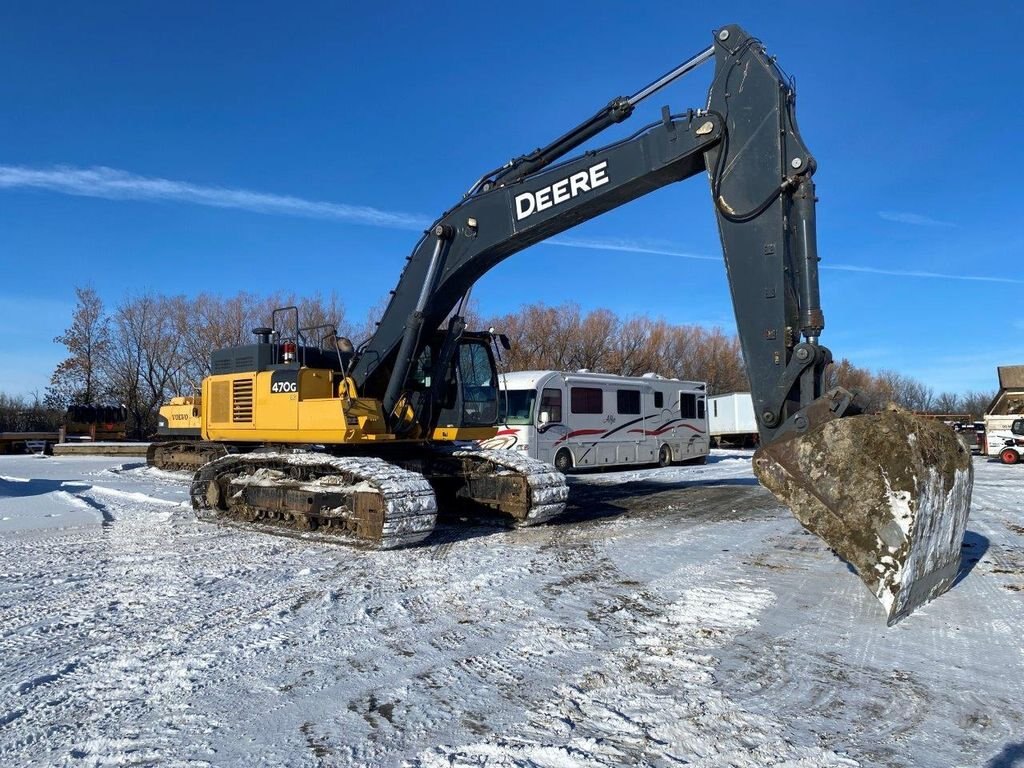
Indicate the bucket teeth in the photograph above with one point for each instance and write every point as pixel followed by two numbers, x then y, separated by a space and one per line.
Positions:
pixel 888 492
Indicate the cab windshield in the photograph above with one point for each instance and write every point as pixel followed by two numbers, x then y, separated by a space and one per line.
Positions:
pixel 479 391
pixel 517 405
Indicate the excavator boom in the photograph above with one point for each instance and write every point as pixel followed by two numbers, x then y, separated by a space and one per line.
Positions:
pixel 888 492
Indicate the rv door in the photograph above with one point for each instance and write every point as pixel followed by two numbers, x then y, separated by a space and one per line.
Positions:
pixel 551 431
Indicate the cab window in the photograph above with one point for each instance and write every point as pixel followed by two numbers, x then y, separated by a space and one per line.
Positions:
pixel 479 390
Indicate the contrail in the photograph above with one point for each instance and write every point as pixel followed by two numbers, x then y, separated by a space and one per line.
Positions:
pixel 112 184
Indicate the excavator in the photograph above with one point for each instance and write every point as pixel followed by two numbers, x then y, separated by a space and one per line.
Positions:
pixel 302 431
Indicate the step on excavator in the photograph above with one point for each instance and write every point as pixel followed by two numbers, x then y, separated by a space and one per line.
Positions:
pixel 303 432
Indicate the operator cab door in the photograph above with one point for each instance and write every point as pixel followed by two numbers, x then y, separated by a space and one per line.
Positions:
pixel 551 430
pixel 471 399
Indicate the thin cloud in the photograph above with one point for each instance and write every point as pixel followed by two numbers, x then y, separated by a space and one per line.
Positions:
pixel 112 184
pixel 915 273
pixel 628 246
pixel 903 217
pixel 637 247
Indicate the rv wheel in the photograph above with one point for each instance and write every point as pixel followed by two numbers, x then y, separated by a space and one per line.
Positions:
pixel 664 456
pixel 1009 456
pixel 563 460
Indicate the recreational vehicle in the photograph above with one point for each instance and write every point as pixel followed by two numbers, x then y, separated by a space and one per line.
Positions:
pixel 588 419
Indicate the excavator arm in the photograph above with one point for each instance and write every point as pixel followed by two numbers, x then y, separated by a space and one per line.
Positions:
pixel 760 172
pixel 888 492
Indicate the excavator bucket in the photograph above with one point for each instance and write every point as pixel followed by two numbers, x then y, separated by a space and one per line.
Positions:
pixel 888 492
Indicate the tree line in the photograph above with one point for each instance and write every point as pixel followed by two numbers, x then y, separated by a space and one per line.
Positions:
pixel 150 347
pixel 565 338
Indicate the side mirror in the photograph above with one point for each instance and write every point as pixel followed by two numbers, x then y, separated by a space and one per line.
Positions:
pixel 545 417
pixel 504 342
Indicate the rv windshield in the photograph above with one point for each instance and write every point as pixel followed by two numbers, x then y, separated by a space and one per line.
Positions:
pixel 517 405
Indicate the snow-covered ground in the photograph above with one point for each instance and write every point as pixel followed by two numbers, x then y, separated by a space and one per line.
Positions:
pixel 679 616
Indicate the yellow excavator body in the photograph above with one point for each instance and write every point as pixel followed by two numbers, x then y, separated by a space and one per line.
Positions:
pixel 307 406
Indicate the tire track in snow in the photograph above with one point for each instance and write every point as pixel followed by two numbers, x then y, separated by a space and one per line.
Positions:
pixel 653 700
pixel 615 641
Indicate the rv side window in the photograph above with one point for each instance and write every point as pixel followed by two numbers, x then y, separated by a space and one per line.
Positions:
pixel 551 401
pixel 585 400
pixel 700 408
pixel 687 406
pixel 628 401
pixel 1018 427
pixel 659 400
pixel 714 408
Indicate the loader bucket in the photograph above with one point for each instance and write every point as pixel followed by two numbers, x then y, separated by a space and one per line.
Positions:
pixel 888 492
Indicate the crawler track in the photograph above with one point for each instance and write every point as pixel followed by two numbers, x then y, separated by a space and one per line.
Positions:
pixel 362 500
pixel 529 491
pixel 183 455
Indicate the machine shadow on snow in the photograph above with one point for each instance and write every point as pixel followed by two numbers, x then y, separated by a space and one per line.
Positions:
pixel 40 487
pixel 591 503
pixel 1010 756
pixel 972 549
pixel 594 502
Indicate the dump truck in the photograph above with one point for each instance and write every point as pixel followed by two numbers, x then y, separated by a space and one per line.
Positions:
pixel 1004 417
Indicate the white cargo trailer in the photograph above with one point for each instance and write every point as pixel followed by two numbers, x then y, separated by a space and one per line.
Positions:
pixel 588 419
pixel 731 419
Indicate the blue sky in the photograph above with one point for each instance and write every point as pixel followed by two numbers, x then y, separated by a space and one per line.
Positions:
pixel 299 146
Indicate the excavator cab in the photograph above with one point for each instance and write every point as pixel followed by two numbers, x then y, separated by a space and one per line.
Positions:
pixel 462 402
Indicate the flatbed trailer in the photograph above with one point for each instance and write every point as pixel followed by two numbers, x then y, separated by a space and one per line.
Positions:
pixel 9 441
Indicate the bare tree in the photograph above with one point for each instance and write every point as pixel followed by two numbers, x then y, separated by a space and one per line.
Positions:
pixel 146 360
pixel 631 349
pixel 976 403
pixel 77 378
pixel 947 402
pixel 19 414
pixel 592 342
